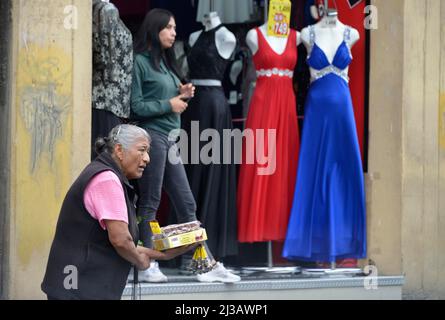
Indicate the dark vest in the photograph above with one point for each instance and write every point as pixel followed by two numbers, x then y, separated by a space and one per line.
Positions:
pixel 81 242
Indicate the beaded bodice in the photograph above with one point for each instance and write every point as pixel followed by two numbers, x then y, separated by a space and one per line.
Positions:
pixel 319 63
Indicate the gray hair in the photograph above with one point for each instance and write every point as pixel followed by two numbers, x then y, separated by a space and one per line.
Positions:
pixel 124 134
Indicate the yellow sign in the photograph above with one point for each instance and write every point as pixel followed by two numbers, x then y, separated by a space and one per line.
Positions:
pixel 278 24
pixel 155 228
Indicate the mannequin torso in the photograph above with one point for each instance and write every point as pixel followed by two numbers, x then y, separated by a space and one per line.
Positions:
pixel 276 43
pixel 224 39
pixel 329 34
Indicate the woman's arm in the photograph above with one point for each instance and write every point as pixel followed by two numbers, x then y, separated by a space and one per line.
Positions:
pixel 167 254
pixel 122 241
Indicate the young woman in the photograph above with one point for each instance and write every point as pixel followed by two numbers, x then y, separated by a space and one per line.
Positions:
pixel 158 99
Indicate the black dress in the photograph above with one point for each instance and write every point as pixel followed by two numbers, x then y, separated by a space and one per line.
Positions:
pixel 213 185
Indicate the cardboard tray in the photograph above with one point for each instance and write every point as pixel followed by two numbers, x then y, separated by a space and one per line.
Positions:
pixel 180 240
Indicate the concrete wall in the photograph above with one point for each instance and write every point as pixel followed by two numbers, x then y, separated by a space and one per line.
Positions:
pixel 407 123
pixel 50 126
pixel 384 180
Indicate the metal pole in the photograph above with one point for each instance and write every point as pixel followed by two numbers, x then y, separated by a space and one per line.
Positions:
pixel 269 255
pixel 266 11
pixel 135 283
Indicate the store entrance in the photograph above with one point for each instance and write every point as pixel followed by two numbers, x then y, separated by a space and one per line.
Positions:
pixel 132 13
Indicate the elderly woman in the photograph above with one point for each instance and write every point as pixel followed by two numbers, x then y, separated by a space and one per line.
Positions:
pixel 97 233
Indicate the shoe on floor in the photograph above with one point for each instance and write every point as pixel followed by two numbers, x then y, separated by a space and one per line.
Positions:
pixel 152 274
pixel 218 274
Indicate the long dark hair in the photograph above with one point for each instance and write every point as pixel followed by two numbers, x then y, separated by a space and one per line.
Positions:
pixel 148 36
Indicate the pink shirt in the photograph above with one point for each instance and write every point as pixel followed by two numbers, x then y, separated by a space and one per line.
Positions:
pixel 104 198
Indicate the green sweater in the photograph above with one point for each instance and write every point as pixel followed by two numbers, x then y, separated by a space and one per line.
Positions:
pixel 150 96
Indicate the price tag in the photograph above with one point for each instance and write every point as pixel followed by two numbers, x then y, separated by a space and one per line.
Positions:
pixel 278 24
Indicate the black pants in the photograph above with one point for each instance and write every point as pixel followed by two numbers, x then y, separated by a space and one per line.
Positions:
pixel 162 172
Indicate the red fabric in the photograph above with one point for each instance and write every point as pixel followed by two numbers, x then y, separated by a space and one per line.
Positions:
pixel 264 201
pixel 355 18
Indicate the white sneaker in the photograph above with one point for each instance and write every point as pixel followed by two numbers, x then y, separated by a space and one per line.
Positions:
pixel 152 274
pixel 219 273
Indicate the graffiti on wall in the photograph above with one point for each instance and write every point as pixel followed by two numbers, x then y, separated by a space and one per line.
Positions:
pixel 44 98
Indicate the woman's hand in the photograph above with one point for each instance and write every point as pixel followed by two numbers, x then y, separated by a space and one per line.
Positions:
pixel 178 104
pixel 173 253
pixel 151 254
pixel 145 260
pixel 188 90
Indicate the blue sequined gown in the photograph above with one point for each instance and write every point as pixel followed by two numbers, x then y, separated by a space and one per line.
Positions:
pixel 328 217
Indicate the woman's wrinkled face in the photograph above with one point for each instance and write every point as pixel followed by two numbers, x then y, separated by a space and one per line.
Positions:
pixel 167 36
pixel 135 159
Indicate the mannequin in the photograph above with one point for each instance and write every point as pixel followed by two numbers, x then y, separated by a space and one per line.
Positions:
pixel 213 183
pixel 324 164
pixel 278 44
pixel 112 70
pixel 329 32
pixel 265 198
pixel 224 39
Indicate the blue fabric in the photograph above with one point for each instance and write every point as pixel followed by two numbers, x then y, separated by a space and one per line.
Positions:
pixel 328 217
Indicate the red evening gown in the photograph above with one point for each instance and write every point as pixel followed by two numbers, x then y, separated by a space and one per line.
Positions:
pixel 264 199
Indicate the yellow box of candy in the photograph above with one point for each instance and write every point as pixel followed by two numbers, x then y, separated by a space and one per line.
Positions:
pixel 178 235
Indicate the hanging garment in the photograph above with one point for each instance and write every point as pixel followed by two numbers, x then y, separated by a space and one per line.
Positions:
pixel 112 60
pixel 230 11
pixel 264 201
pixel 328 214
pixel 213 185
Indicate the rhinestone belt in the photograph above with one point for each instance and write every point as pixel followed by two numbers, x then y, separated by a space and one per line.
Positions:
pixel 275 72
pixel 328 70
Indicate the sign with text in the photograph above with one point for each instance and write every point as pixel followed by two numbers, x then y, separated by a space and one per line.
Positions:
pixel 278 24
